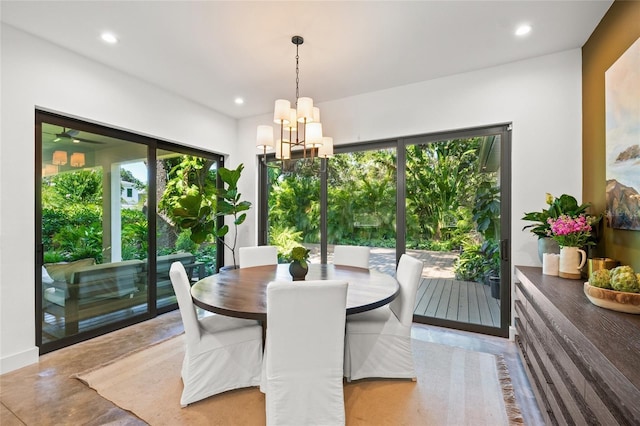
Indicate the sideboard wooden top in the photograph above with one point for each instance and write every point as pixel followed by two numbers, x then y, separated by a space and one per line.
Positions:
pixel 615 335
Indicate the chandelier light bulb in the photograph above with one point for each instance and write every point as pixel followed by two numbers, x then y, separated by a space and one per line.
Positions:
pixel 77 159
pixel 305 109
pixel 314 135
pixel 281 111
pixel 264 138
pixel 59 158
pixel 326 150
pixel 292 126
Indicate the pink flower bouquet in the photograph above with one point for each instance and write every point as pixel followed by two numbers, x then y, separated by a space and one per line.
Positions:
pixel 570 231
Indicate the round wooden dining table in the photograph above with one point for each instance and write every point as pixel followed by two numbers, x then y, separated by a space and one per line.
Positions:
pixel 242 292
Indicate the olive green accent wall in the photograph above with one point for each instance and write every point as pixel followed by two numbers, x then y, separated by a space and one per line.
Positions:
pixel 618 30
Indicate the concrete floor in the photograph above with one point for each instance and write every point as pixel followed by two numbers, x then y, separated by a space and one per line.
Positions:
pixel 45 394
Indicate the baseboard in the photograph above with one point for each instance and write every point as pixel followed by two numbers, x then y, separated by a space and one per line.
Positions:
pixel 19 360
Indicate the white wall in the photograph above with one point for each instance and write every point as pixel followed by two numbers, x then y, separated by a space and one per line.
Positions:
pixel 541 97
pixel 36 73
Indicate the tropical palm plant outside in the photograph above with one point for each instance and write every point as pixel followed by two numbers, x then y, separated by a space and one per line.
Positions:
pixel 441 183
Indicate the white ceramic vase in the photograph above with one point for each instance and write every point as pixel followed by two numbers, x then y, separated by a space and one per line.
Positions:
pixel 572 259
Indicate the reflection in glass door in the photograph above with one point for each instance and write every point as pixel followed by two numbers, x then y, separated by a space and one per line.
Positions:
pixel 179 175
pixel 94 231
pixel 453 211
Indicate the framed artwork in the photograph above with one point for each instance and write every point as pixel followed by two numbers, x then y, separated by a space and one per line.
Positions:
pixel 622 98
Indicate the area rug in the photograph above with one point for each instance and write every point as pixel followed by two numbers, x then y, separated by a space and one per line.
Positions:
pixel 454 387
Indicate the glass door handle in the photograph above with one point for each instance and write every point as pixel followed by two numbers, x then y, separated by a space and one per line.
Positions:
pixel 504 250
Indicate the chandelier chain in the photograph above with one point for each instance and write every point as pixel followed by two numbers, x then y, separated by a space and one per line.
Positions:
pixel 297 75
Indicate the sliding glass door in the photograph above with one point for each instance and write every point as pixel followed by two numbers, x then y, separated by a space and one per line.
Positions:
pixel 443 198
pixel 453 223
pixel 102 259
pixel 94 231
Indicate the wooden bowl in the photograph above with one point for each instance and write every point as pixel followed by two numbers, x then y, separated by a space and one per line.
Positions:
pixel 620 301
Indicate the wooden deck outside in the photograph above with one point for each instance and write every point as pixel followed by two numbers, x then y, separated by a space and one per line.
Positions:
pixel 462 301
pixel 440 295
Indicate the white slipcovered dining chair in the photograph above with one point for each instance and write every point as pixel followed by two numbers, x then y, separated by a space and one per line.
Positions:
pixel 222 353
pixel 378 342
pixel 302 374
pixel 258 256
pixel 357 256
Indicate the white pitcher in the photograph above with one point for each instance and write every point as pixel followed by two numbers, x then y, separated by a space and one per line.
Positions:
pixel 572 259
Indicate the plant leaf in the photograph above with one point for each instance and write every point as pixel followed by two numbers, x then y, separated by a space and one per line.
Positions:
pixel 242 206
pixel 222 231
pixel 191 202
pixel 240 219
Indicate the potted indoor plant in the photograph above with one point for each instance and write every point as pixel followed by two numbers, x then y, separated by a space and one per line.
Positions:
pixel 229 204
pixel 201 206
pixel 571 234
pixel 299 266
pixel 563 205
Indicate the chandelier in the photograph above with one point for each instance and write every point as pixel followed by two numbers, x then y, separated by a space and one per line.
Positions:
pixel 300 127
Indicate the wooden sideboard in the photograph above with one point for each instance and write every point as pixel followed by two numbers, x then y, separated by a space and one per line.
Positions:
pixel 583 362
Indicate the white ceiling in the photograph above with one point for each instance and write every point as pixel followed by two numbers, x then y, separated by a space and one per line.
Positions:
pixel 214 51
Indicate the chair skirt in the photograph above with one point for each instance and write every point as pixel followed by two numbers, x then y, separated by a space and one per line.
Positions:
pixel 378 345
pixel 326 393
pixel 221 362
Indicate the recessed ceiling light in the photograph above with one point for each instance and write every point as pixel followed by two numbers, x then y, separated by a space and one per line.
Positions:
pixel 239 101
pixel 523 30
pixel 109 38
